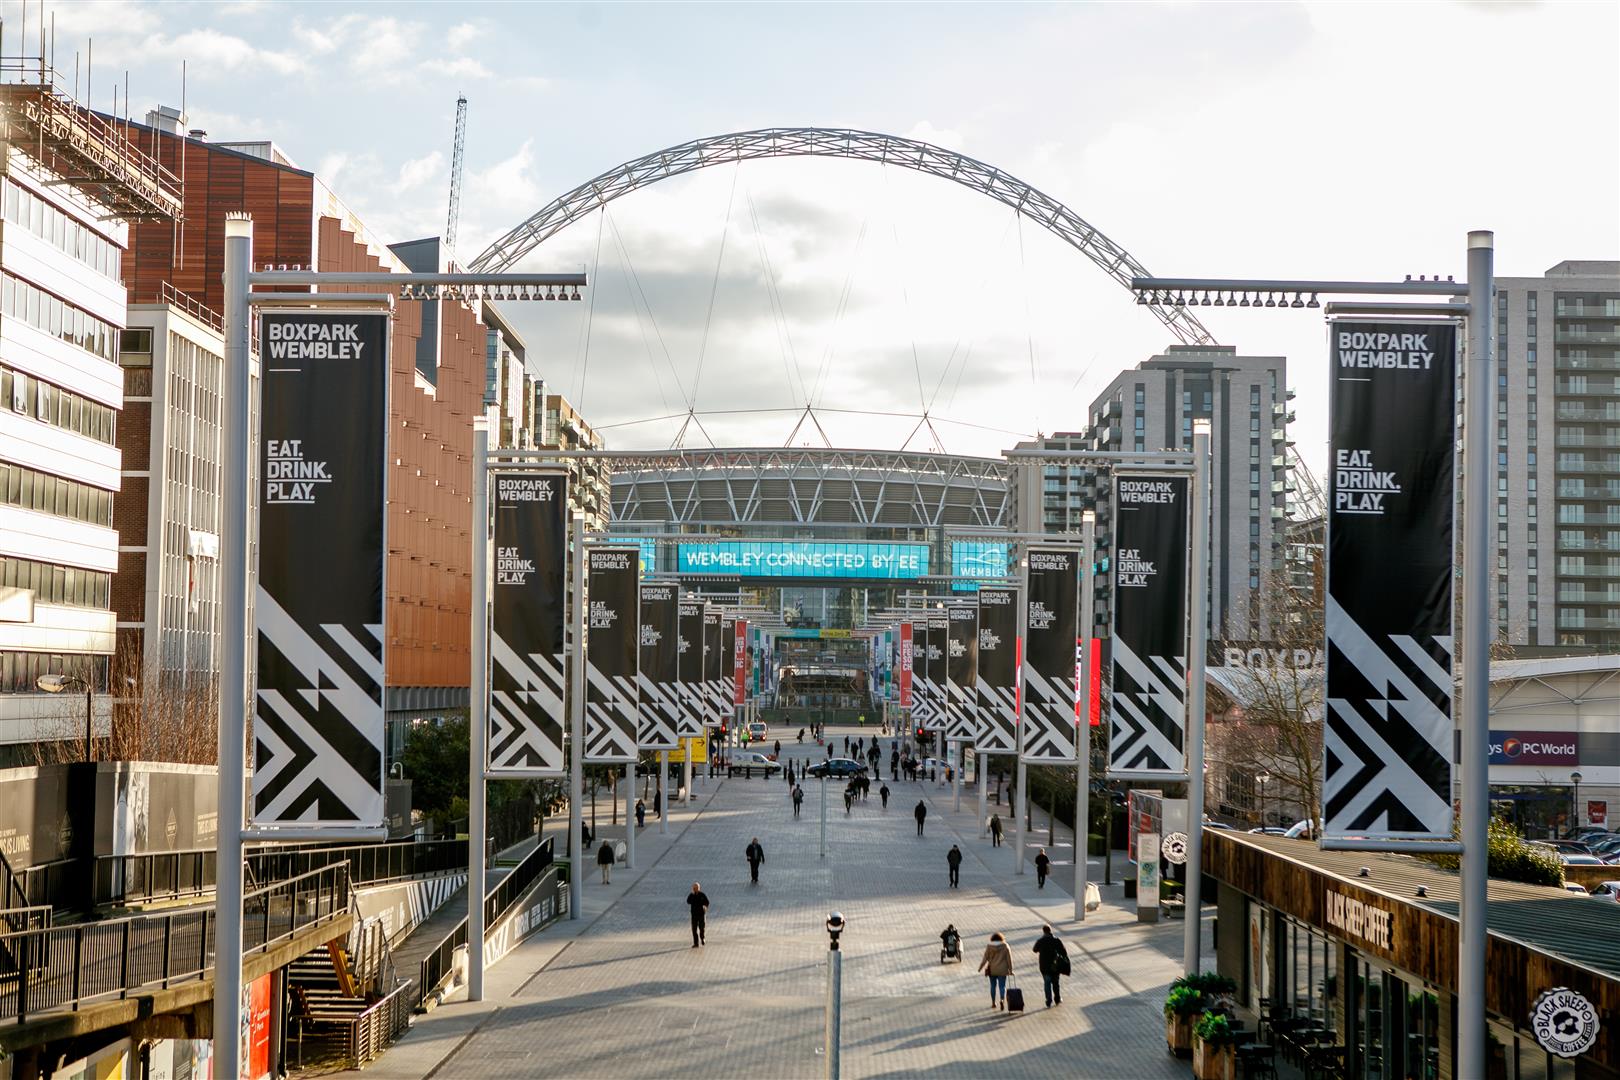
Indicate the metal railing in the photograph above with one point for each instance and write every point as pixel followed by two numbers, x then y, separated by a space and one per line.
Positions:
pixel 46 969
pixel 370 1033
pixel 437 964
pixel 157 875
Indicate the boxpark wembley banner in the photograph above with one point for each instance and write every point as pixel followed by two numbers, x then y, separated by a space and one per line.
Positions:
pixel 711 665
pixel 1147 713
pixel 723 668
pixel 1391 498
pixel 739 668
pixel 318 608
pixel 922 703
pixel 961 672
pixel 689 723
pixel 939 629
pixel 1052 600
pixel 527 665
pixel 659 685
pixel 612 654
pixel 998 671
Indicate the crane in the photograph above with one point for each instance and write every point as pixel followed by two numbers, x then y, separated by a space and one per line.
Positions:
pixel 455 177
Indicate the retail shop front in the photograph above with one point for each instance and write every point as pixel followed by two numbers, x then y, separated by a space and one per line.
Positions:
pixel 1348 961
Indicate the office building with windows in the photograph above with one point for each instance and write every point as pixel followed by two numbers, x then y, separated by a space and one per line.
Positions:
pixel 1558 457
pixel 66 193
pixel 1153 407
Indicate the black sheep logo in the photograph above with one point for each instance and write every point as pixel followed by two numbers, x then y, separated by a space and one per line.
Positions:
pixel 1566 1025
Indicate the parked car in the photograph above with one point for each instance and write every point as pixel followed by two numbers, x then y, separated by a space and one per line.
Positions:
pixel 1301 830
pixel 838 766
pixel 1580 860
pixel 1607 890
pixel 1220 825
pixel 1575 887
pixel 1270 830
pixel 753 759
pixel 1569 847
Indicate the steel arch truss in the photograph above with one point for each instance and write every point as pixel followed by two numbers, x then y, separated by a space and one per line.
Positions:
pixel 922 157
pixel 801 485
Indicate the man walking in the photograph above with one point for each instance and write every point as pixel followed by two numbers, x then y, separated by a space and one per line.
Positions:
pixel 641 814
pixel 798 799
pixel 604 859
pixel 658 802
pixel 756 855
pixel 921 813
pixel 894 765
pixel 776 749
pixel 1043 866
pixel 1054 963
pixel 883 793
pixel 995 830
pixel 953 858
pixel 699 905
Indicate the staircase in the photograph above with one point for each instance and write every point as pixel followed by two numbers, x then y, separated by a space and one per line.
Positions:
pixel 346 1005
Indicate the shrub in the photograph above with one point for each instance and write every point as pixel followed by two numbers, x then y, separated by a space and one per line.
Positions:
pixel 1183 1001
pixel 1207 982
pixel 1215 1029
pixel 1511 857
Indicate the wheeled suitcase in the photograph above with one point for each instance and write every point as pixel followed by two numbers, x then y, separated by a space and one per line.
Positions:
pixel 1015 999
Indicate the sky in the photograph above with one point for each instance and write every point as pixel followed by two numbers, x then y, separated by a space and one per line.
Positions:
pixel 1343 141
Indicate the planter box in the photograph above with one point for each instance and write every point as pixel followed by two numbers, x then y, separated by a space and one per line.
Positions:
pixel 1213 1062
pixel 1178 1035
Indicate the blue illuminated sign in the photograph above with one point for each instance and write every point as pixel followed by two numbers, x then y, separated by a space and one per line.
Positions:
pixel 977 559
pixel 787 559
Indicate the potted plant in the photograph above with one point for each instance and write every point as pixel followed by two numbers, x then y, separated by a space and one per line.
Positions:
pixel 1181 1007
pixel 1214 1043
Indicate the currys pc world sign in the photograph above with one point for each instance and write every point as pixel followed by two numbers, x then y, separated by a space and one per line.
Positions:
pixel 1535 748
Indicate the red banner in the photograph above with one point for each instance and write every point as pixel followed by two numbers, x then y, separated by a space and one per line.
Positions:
pixel 739 661
pixel 905 665
pixel 1094 693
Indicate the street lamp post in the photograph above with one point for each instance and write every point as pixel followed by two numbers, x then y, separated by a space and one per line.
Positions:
pixel 1263 779
pixel 1575 810
pixel 55 684
pixel 835 979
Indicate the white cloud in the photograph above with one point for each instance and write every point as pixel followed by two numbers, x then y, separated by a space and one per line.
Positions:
pixel 209 52
pixel 461 35
pixel 419 171
pixel 464 67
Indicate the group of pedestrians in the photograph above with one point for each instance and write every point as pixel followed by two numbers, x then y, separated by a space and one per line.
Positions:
pixel 1052 962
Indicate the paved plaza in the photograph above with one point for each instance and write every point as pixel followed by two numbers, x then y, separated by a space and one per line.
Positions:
pixel 620 992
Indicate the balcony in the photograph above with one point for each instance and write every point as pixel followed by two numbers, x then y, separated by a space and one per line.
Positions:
pixel 1565 337
pixel 1586 363
pixel 1607 414
pixel 1578 439
pixel 1567 623
pixel 1588 596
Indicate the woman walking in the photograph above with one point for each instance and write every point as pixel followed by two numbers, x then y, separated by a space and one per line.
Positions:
pixel 997 963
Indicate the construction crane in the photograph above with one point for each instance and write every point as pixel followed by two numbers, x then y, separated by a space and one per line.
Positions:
pixel 455 177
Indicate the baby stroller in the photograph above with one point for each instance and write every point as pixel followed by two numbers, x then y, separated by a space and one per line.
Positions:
pixel 951 945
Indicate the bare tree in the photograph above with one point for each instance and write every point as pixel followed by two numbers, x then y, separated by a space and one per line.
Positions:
pixel 156 716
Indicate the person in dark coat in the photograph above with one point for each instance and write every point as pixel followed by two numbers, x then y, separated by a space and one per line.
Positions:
pixel 658 803
pixel 995 830
pixel 894 764
pixel 921 814
pixel 953 859
pixel 1053 959
pixel 849 798
pixel 798 799
pixel 604 859
pixel 776 749
pixel 699 904
pixel 883 793
pixel 641 814
pixel 1043 866
pixel 756 855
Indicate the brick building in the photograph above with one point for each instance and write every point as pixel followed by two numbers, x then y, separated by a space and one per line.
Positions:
pixel 298 221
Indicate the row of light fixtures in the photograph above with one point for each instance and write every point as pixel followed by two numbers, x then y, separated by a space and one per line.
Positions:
pixel 486 292
pixel 1219 298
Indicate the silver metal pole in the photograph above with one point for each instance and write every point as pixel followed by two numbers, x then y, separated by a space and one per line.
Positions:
pixel 576 729
pixel 823 817
pixel 979 762
pixel 1021 802
pixel 1082 783
pixel 835 995
pixel 686 771
pixel 663 792
pixel 233 655
pixel 477 793
pixel 1197 644
pixel 956 758
pixel 1478 600
pixel 630 816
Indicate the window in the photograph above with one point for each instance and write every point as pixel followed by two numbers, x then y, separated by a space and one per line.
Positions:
pixel 48 313
pixel 57 407
pixel 30 489
pixel 27 210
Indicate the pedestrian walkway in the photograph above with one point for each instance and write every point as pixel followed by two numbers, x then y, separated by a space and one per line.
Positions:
pixel 621 992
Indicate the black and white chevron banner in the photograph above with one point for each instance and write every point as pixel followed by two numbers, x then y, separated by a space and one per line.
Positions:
pixel 659 709
pixel 689 721
pixel 962 672
pixel 1052 614
pixel 922 704
pixel 1147 698
pixel 997 681
pixel 724 702
pixel 1389 734
pixel 527 678
pixel 319 611
pixel 612 655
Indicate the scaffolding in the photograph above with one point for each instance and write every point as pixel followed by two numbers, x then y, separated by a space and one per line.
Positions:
pixel 87 149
